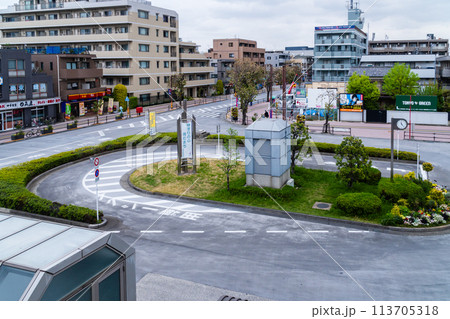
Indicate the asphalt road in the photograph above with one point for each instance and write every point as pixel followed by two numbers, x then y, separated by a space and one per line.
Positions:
pixel 240 250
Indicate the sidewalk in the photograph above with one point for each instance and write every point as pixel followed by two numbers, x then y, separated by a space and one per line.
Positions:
pixel 91 119
pixel 359 129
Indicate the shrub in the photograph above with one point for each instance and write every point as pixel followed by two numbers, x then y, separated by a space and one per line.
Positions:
pixel 427 167
pixel 133 102
pixel 392 220
pixel 240 140
pixel 359 204
pixel 401 188
pixel 373 176
pixel 119 94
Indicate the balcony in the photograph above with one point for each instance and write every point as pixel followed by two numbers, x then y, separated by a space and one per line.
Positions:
pixel 190 70
pixel 446 73
pixel 200 82
pixel 192 56
pixel 80 73
pixel 29 7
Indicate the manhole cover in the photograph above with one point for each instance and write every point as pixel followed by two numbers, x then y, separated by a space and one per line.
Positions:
pixel 323 206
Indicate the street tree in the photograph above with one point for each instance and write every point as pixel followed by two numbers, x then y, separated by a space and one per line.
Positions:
pixel 434 89
pixel 97 106
pixel 219 87
pixel 245 76
pixel 361 84
pixel 299 136
pixel 119 94
pixel 229 162
pixel 352 161
pixel 268 80
pixel 293 73
pixel 177 84
pixel 400 81
pixel 329 99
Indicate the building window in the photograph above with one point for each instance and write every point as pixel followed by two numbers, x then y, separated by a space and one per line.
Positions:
pixel 157 16
pixel 84 65
pixel 157 64
pixel 157 48
pixel 230 44
pixel 108 47
pixel 109 81
pixel 16 67
pixel 17 92
pixel 107 13
pixel 166 64
pixel 85 31
pixel 11 34
pixel 143 31
pixel 144 81
pixel 53 17
pixel 53 33
pixel 165 34
pixel 144 98
pixel 124 47
pixel 166 79
pixel 144 64
pixel 29 33
pixel 231 55
pixel 158 79
pixel 122 30
pixel 125 81
pixel 157 32
pixel 71 65
pixel 84 14
pixel 143 14
pixel 29 18
pixel 125 64
pixel 39 90
pixel 72 86
pixel 165 18
pixel 166 49
pixel 144 48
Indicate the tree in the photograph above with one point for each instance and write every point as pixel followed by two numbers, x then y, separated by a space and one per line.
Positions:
pixel 245 75
pixel 329 99
pixel 133 102
pixel 96 106
pixel 352 161
pixel 400 81
pixel 177 84
pixel 268 80
pixel 229 161
pixel 434 89
pixel 361 84
pixel 219 87
pixel 293 73
pixel 119 94
pixel 299 135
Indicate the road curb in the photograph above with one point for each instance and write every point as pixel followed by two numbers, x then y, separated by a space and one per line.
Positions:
pixel 127 185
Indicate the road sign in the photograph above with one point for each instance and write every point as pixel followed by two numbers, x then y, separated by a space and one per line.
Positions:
pixel 169 91
pixel 96 161
pixel 127 99
pixel 97 172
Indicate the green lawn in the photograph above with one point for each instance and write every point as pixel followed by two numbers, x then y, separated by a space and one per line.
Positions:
pixel 210 183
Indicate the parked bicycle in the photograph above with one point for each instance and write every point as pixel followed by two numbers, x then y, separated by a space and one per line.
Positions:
pixel 34 132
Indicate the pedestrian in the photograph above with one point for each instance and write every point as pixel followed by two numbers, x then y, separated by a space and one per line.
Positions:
pixel 266 114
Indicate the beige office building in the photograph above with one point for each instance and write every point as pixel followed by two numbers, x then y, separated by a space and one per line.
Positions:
pixel 135 43
pixel 237 49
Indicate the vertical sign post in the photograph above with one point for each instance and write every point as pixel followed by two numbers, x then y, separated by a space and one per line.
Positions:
pixel 127 99
pixel 151 123
pixel 97 178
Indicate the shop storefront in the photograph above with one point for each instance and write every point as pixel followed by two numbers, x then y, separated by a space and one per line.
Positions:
pixel 81 104
pixel 24 113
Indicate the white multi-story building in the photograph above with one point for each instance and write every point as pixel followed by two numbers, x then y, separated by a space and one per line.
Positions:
pixel 135 43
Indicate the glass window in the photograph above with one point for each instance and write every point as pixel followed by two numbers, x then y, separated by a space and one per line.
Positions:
pixel 157 16
pixel 71 65
pixel 53 17
pixel 124 47
pixel 107 13
pixel 144 81
pixel 53 32
pixel 77 275
pixel 157 32
pixel 165 18
pixel 157 48
pixel 126 81
pixel 144 48
pixel 143 14
pixel 83 295
pixel 165 34
pixel 166 64
pixel 84 15
pixel 108 47
pixel 16 65
pixel 144 64
pixel 166 49
pixel 143 31
pixel 85 31
pixel 13 282
pixel 29 33
pixel 109 289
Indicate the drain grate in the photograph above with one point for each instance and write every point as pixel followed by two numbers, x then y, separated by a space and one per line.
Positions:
pixel 322 206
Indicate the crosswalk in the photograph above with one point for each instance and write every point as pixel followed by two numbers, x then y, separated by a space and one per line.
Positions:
pixel 214 111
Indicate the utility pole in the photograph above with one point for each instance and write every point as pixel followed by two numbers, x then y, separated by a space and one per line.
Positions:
pixel 284 92
pixel 271 83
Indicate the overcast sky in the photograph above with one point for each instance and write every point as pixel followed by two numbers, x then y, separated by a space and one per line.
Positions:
pixel 276 24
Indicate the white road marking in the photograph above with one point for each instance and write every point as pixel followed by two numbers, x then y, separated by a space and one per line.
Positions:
pixel 318 231
pixel 329 163
pixel 134 206
pixel 115 231
pixel 358 231
pixel 36 156
pixel 192 231
pixel 113 191
pixel 112 201
pixel 103 178
pixel 171 117
pixel 235 231
pixel 152 231
pixel 105 139
pixel 276 231
pixel 101 133
pixel 127 197
pixel 148 208
pixel 131 125
pixel 115 171
pixel 104 185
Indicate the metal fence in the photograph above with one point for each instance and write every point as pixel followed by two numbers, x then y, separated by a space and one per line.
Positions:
pixel 427 136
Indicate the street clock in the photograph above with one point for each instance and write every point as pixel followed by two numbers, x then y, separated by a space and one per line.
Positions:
pixel 399 124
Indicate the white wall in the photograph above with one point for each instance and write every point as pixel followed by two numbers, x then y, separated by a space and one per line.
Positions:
pixel 430 118
pixel 350 116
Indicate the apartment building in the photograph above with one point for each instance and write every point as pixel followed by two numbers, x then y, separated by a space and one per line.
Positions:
pixel 237 49
pixel 397 47
pixel 276 58
pixel 196 69
pixel 135 43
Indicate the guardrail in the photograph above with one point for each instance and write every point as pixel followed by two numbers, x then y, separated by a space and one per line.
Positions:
pixel 427 136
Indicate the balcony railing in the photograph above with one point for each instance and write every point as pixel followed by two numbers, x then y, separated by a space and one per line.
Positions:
pixel 29 7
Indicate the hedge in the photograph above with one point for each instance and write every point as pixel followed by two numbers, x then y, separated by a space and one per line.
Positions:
pixel 13 180
pixel 359 204
pixel 240 140
pixel 401 188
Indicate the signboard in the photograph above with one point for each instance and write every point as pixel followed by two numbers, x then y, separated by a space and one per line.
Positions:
pixel 351 101
pixel 301 102
pixel 110 105
pixel 28 103
pixel 186 140
pixel 152 123
pixel 317 98
pixel 417 103
pixel 82 109
pixel 335 27
pixel 300 93
pixel 68 111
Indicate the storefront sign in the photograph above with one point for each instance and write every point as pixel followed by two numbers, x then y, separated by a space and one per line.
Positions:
pixel 82 109
pixel 152 123
pixel 68 111
pixel 28 103
pixel 186 140
pixel 87 96
pixel 416 103
pixel 301 102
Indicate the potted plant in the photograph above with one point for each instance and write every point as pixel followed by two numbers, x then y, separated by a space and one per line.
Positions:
pixel 47 130
pixel 234 114
pixel 19 135
pixel 255 117
pixel 72 125
pixel 119 116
